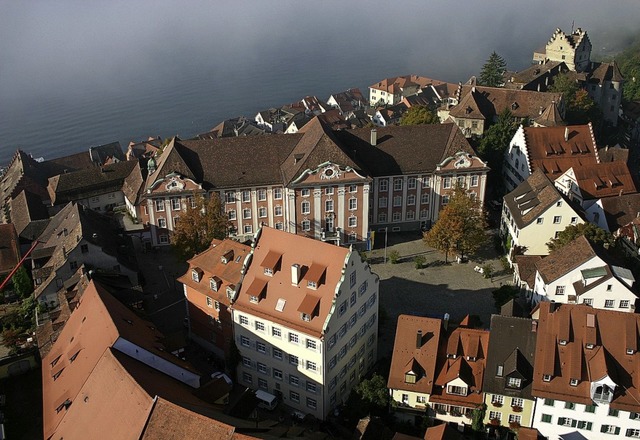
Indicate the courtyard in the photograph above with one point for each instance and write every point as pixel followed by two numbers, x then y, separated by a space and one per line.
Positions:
pixel 434 290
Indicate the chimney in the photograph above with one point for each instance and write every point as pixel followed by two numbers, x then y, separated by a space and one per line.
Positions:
pixel 566 134
pixel 374 137
pixel 419 339
pixel 445 321
pixel 295 274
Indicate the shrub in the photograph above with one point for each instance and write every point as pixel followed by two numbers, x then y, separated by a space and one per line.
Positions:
pixel 419 261
pixel 488 271
pixel 394 257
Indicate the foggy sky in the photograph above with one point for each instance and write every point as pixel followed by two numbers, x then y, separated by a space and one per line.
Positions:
pixel 54 51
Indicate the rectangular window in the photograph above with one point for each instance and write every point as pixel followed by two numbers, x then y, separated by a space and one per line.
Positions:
pixel 277 353
pixel 353 221
pixel 261 347
pixel 246 213
pixel 446 182
pixel 276 332
pixel 557 219
pixel 559 290
pixel 328 190
pixel 295 397
pixel 397 200
pixel 609 303
pixel 311 403
pixel 159 205
pixel 540 220
pixel 244 341
pixel 293 360
pixel 248 229
pixel 411 183
pixel 277 210
pixel 306 225
pixel 624 304
pixel 312 387
pixel 246 362
pixel 633 433
pixel 384 185
pixel 175 203
pixel 397 184
pixel 589 408
pixel 247 378
pixel 328 205
pixel 353 204
pixel 262 212
pixel 426 182
pixel 474 181
pixel 262 368
pixel 262 383
pixel 244 320
pixel 229 197
pixel 294 380
pixel 305 192
pixel 549 402
pixel 495 415
pixel 162 223
pixel 382 202
pixel 546 418
pixel 260 326
pixel 293 338
pixel 311 344
pixel 232 214
pixel 311 366
pixel 353 188
pixel 262 195
pixel 277 193
pixel 246 196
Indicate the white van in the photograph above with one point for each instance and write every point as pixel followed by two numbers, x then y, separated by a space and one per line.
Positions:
pixel 266 400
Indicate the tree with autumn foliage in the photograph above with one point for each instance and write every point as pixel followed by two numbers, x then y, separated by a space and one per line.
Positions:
pixel 460 227
pixel 202 222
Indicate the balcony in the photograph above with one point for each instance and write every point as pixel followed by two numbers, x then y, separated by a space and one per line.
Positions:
pixel 331 235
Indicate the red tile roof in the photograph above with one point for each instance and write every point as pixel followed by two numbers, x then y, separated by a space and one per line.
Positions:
pixel 305 252
pixel 612 334
pixel 556 149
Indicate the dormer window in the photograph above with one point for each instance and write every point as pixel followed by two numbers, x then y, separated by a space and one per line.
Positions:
pixel 256 290
pixel 603 394
pixel 231 290
pixel 573 382
pixel 514 382
pixel 499 370
pixel 562 342
pixel 196 274
pixel 312 285
pixel 268 271
pixel 409 377
pixel 471 358
pixel 457 390
pixel 214 283
pixel 451 356
pixel 589 346
pixel 306 317
pixel 253 299
pixel 227 257
pixel 630 351
pixel 546 377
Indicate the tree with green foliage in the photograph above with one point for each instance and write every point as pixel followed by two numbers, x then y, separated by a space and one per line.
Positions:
pixel 580 108
pixel 200 224
pixel 495 142
pixel 374 393
pixel 592 233
pixel 22 283
pixel 492 73
pixel 419 115
pixel 629 64
pixel 460 227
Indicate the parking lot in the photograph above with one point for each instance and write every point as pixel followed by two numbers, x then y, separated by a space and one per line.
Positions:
pixel 434 290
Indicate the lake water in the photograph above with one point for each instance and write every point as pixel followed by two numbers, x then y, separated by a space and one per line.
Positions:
pixel 73 75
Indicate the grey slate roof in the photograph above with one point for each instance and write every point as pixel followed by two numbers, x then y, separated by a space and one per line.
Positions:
pixel 512 345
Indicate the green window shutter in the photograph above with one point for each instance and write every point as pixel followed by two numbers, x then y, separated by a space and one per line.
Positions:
pixel 580 424
pixel 573 423
pixel 561 420
pixel 603 428
pixel 617 430
pixel 589 426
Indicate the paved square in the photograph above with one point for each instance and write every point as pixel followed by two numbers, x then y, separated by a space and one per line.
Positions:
pixel 432 291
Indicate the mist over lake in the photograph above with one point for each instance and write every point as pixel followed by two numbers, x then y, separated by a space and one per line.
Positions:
pixel 75 74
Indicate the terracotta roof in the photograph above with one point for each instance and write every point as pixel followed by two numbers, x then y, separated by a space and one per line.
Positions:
pixel 169 421
pixel 133 184
pixel 9 248
pixel 211 264
pixel 562 261
pixel 294 250
pixel 531 198
pixel 513 344
pixel 526 267
pixel 550 152
pixel 395 83
pixel 85 369
pixel 406 350
pixel 491 101
pixel 470 348
pixel 597 180
pixel 533 72
pixel 615 332
pixel 468 107
pixel 443 432
pixel 550 117
pixel 317 146
pixel 622 210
